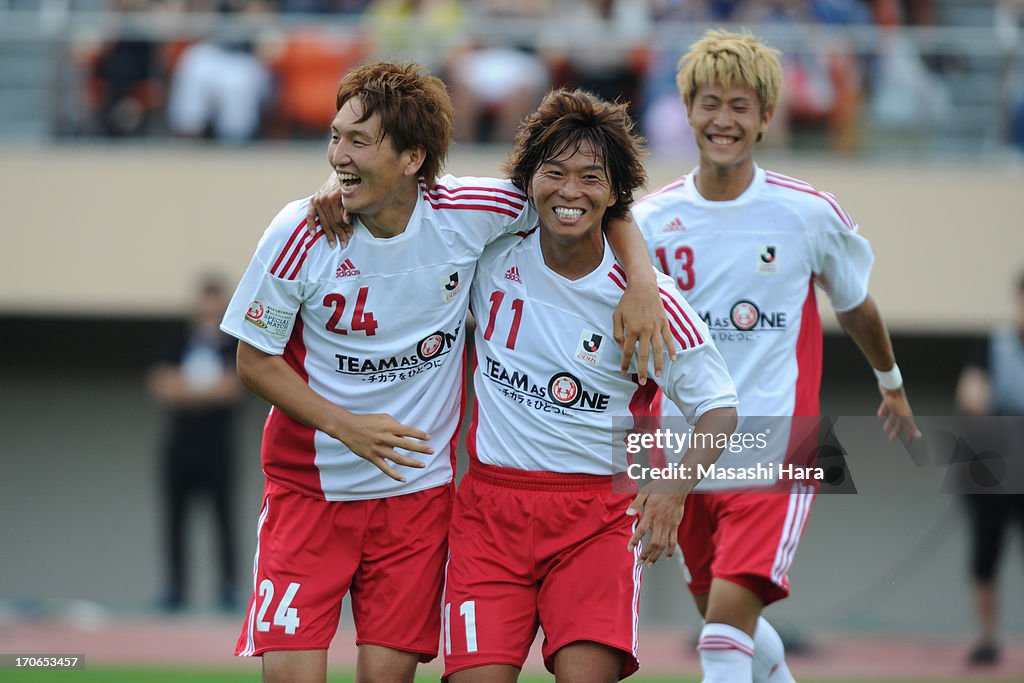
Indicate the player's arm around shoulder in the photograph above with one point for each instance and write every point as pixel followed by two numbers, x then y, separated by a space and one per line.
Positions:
pixel 479 210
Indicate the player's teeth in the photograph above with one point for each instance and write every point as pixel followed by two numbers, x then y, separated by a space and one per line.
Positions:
pixel 719 140
pixel 347 177
pixel 568 213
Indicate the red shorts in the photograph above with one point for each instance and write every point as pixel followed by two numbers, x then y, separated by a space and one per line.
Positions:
pixel 747 538
pixel 533 549
pixel 389 553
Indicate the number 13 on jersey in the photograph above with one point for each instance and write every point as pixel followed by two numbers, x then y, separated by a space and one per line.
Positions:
pixel 683 257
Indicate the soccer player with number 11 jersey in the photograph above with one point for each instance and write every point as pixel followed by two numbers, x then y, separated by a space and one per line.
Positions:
pixel 541 532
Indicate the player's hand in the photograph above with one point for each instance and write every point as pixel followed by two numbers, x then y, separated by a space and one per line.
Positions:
pixel 640 318
pixel 660 513
pixel 897 415
pixel 327 212
pixel 375 438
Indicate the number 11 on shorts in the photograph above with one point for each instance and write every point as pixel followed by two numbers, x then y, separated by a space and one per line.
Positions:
pixel 468 612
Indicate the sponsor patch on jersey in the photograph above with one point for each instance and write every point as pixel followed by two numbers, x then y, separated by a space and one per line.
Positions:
pixel 564 389
pixel 589 348
pixel 767 258
pixel 744 315
pixel 449 286
pixel 276 321
pixel 512 275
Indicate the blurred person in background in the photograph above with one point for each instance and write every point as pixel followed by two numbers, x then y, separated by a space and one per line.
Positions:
pixel 220 85
pixel 127 74
pixel 992 383
pixel 821 79
pixel 323 6
pixel 493 88
pixel 1009 19
pixel 744 243
pixel 414 30
pixel 497 80
pixel 607 54
pixel 194 380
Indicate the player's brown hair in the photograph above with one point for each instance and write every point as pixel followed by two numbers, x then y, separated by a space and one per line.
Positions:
pixel 563 121
pixel 414 108
pixel 725 57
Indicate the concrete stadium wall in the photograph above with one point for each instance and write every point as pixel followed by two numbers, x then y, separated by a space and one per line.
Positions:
pixel 125 230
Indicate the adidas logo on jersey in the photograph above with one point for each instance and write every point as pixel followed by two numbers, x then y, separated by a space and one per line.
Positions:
pixel 675 225
pixel 513 274
pixel 346 269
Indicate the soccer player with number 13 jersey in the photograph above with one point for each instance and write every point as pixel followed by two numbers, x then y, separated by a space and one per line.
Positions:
pixel 747 246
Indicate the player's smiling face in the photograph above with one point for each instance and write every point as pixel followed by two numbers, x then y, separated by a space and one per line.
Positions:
pixel 371 172
pixel 572 192
pixel 726 123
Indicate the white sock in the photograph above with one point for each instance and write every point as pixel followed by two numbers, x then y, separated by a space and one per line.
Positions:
pixel 769 655
pixel 726 654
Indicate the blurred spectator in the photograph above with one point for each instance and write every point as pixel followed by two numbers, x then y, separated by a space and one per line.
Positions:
pixel 127 77
pixel 307 69
pixel 420 31
pixel 822 81
pixel 323 6
pixel 992 383
pixel 496 82
pixel 194 379
pixel 711 11
pixel 220 87
pixel 493 88
pixel 1009 15
pixel 611 59
pixel 906 95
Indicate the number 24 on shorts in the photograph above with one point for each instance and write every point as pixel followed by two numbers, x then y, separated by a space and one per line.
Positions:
pixel 285 615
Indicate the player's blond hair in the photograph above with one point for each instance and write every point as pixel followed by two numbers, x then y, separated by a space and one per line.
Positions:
pixel 726 58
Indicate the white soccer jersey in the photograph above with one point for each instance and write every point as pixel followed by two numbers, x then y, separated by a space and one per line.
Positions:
pixel 376 327
pixel 749 266
pixel 547 381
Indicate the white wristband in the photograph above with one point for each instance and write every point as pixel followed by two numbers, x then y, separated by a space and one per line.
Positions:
pixel 891 380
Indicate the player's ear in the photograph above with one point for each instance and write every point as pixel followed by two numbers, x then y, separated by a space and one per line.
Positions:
pixel 762 128
pixel 414 158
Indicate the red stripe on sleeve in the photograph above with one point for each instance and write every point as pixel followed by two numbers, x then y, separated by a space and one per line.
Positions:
pixel 305 253
pixel 282 273
pixel 477 188
pixel 675 331
pixel 473 207
pixel 682 311
pixel 288 247
pixel 846 220
pixel 433 196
